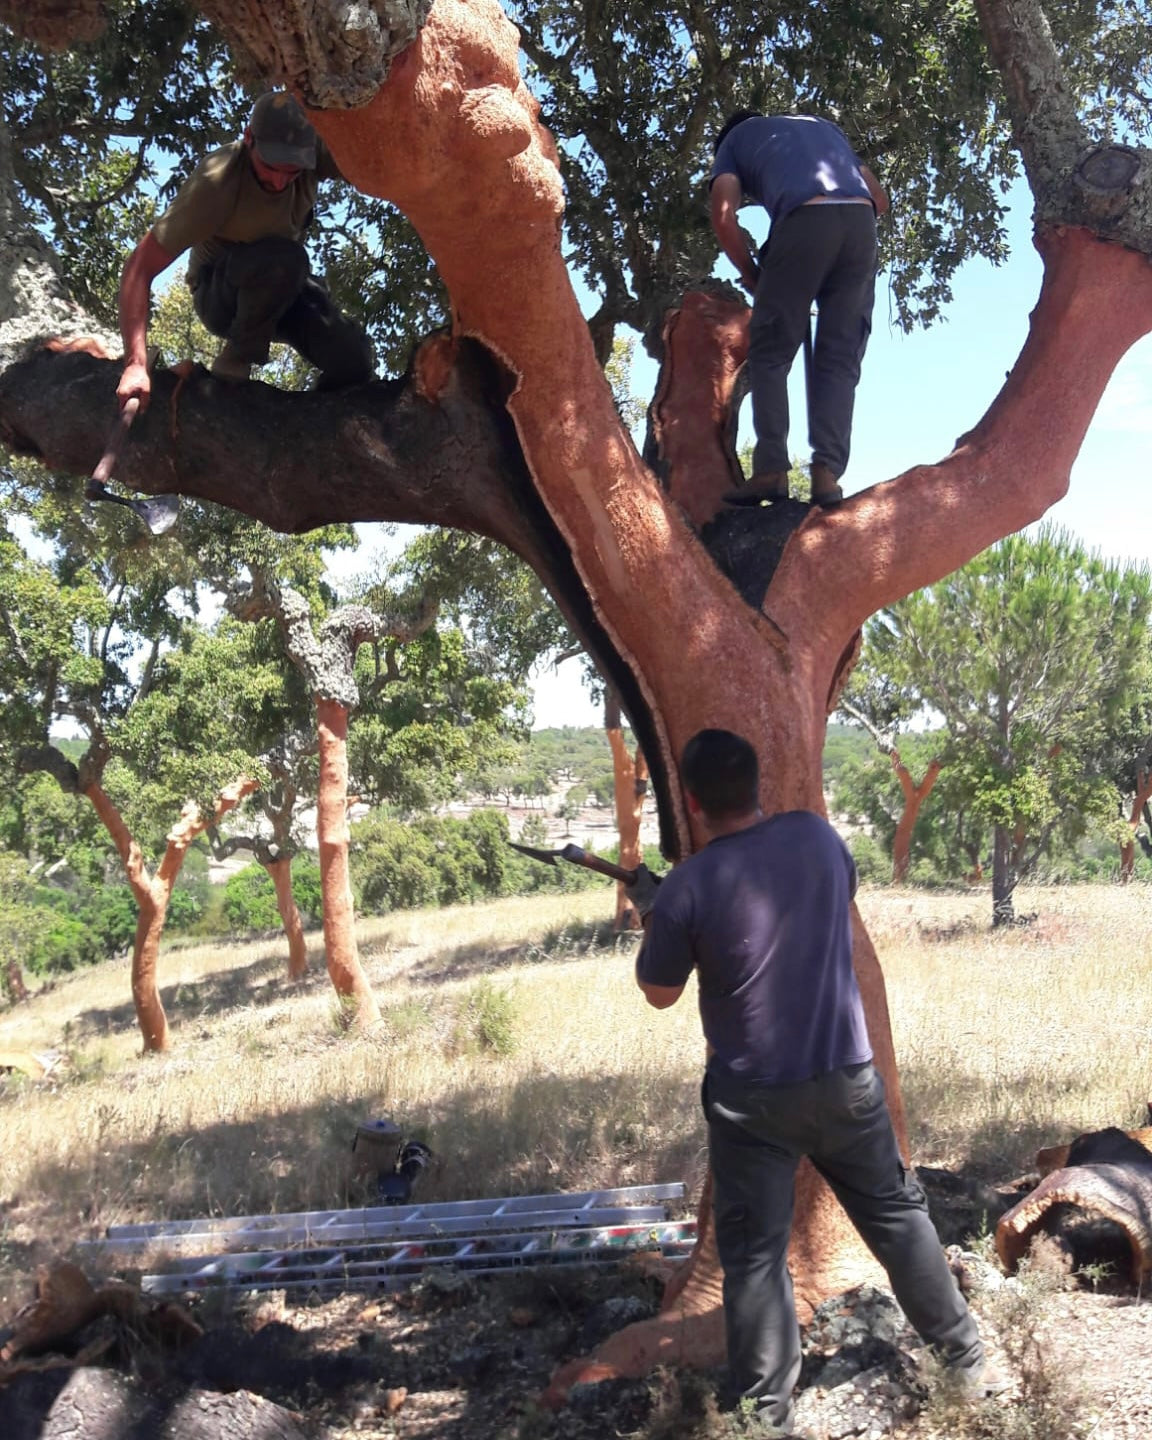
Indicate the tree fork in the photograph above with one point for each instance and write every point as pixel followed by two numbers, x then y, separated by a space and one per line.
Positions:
pixel 153 892
pixel 914 797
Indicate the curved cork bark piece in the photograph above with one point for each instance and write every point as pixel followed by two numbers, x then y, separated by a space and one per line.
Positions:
pixel 1096 1145
pixel 1121 1194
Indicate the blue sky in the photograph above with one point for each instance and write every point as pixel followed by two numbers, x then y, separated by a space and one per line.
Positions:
pixel 919 392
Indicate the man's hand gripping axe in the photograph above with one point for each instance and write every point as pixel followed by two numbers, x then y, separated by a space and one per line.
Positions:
pixel 158 512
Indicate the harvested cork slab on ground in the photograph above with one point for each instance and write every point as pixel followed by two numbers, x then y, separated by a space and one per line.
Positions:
pixel 1108 1175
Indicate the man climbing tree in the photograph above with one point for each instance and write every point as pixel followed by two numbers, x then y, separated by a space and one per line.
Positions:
pixel 243 213
pixel 823 203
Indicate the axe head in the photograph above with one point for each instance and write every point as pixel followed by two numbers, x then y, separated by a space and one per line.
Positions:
pixel 158 512
pixel 547 856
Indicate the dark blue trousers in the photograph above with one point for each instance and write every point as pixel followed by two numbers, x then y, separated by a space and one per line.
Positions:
pixel 827 254
pixel 757 1136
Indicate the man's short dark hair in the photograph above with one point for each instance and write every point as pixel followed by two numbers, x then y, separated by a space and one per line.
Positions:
pixel 736 118
pixel 722 771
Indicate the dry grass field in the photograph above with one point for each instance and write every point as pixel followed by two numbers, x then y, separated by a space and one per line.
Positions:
pixel 515 1043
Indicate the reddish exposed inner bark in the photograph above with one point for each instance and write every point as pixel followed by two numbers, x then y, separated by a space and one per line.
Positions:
pixel 1139 800
pixel 914 797
pixel 629 784
pixel 14 982
pixel 152 893
pixel 344 968
pixel 280 872
pixel 705 346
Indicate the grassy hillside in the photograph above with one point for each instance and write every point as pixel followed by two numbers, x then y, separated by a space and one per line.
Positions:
pixel 515 1042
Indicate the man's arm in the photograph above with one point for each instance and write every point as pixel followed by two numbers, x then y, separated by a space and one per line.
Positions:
pixel 143 265
pixel 644 892
pixel 727 193
pixel 876 190
pixel 658 996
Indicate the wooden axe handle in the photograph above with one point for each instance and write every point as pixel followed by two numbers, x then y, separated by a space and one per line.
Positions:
pixel 579 856
pixel 103 471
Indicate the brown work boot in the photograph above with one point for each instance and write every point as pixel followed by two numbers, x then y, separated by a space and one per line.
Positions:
pixel 826 491
pixel 229 366
pixel 762 489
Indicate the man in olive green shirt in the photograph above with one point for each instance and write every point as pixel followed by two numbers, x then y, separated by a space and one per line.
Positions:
pixel 243 213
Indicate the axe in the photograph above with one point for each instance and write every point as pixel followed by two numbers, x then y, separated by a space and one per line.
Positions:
pixel 577 855
pixel 159 512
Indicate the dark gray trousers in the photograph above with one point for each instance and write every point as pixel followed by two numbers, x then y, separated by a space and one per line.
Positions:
pixel 757 1135
pixel 263 291
pixel 825 253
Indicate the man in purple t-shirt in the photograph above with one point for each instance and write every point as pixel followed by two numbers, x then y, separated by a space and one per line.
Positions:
pixel 763 915
pixel 823 204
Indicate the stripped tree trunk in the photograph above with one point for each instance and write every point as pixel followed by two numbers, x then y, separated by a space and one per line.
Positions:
pixel 1136 814
pixel 327 661
pixel 280 873
pixel 629 786
pixel 14 986
pixel 914 797
pixel 344 969
pixel 153 892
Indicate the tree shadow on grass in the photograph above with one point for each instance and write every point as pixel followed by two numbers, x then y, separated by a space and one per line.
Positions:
pixel 542 1135
pixel 263 981
pixel 989 1128
pixel 575 940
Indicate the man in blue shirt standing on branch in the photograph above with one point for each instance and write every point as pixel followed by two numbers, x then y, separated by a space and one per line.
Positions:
pixel 763 915
pixel 823 203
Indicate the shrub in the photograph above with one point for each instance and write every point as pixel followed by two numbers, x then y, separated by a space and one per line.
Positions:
pixel 81 929
pixel 872 864
pixel 250 896
pixel 488 1020
pixel 393 866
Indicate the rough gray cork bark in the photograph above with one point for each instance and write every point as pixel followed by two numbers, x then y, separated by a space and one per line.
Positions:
pixel 96 1404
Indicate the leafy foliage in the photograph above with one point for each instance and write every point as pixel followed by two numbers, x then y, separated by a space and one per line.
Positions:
pixel 1030 654
pixel 635 94
pixel 95 169
pixel 439 860
pixel 250 896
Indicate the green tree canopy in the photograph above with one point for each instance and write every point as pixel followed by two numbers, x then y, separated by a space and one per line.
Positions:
pixel 1030 654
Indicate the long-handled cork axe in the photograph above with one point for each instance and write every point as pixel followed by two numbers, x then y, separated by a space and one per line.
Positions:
pixel 158 512
pixel 577 855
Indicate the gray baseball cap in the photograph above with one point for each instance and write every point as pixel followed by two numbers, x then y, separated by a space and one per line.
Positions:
pixel 281 132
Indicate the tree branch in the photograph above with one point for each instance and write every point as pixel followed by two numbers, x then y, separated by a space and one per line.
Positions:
pixel 885 542
pixel 52 762
pixel 885 743
pixel 436 447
